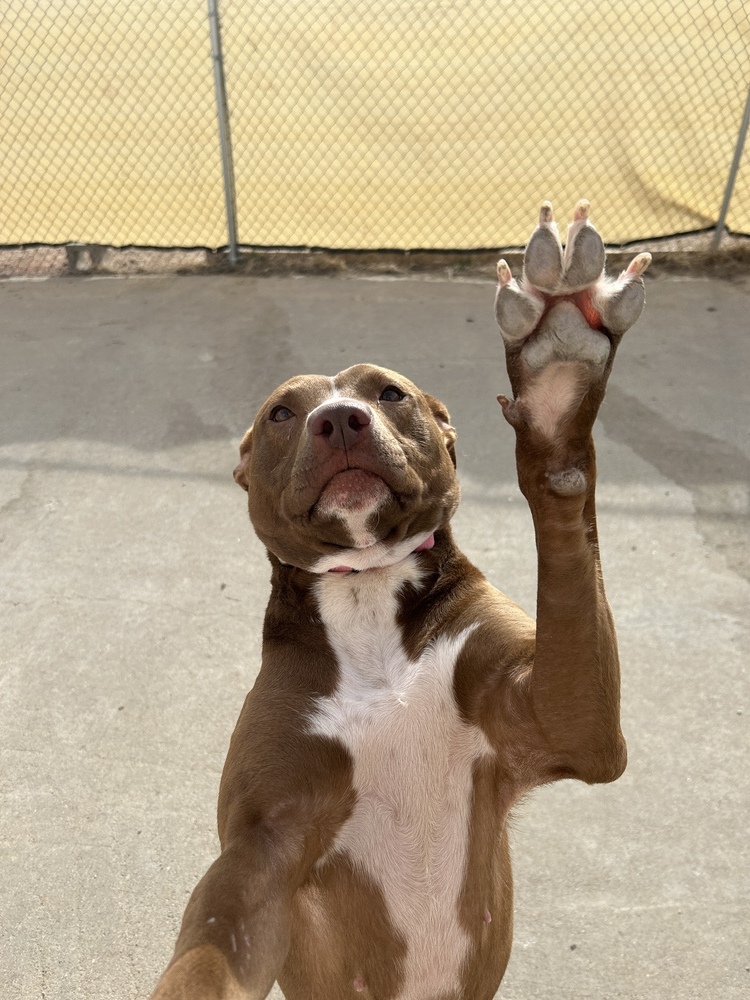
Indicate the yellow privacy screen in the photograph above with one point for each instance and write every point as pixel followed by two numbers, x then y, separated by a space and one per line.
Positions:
pixel 365 124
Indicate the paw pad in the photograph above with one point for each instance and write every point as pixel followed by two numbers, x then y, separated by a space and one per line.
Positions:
pixel 552 274
pixel 564 313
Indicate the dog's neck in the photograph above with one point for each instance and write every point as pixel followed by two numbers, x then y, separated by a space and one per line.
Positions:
pixel 425 546
pixel 432 551
pixel 314 610
pixel 375 557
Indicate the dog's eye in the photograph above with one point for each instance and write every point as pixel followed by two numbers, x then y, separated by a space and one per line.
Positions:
pixel 392 394
pixel 280 413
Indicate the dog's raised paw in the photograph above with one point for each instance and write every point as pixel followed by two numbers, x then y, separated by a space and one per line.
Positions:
pixel 564 314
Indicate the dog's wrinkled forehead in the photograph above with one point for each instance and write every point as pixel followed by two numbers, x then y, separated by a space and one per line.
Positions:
pixel 369 380
pixel 363 381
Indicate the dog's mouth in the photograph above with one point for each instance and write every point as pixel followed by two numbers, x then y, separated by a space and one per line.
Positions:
pixel 353 489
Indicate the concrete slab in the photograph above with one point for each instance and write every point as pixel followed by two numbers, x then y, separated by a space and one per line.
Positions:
pixel 133 594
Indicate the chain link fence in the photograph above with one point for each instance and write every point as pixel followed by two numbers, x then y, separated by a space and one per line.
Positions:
pixel 368 123
pixel 108 124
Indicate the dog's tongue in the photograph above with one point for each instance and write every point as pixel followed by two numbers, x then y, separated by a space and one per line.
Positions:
pixel 428 543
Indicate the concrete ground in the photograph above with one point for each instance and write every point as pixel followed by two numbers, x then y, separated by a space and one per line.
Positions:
pixel 133 594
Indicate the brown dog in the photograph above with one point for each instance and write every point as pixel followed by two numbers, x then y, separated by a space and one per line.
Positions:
pixel 403 705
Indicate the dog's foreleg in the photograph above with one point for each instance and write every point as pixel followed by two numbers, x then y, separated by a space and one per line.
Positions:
pixel 561 326
pixel 574 684
pixel 236 928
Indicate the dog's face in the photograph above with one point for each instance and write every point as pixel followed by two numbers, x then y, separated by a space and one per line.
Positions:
pixel 351 469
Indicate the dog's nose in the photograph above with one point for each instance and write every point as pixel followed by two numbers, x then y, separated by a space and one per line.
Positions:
pixel 340 424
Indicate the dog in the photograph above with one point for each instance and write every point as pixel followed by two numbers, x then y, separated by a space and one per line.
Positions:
pixel 403 704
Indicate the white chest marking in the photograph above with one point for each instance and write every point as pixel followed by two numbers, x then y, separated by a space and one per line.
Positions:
pixel 413 762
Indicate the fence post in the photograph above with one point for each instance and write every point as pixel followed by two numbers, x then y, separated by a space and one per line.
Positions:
pixel 733 171
pixel 225 135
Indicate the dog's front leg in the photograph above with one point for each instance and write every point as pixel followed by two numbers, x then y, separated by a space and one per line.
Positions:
pixel 561 325
pixel 235 931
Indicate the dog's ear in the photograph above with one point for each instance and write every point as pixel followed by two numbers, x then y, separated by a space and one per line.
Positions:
pixel 443 420
pixel 240 472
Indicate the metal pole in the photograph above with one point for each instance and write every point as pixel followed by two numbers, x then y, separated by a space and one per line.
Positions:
pixel 733 171
pixel 225 136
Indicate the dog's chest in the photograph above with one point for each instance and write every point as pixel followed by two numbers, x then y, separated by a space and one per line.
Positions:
pixel 413 761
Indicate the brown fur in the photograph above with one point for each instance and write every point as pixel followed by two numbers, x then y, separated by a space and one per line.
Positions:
pixel 280 902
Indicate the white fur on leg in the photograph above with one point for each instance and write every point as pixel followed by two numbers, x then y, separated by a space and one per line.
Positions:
pixel 552 395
